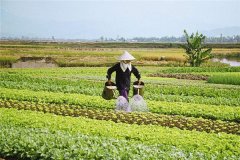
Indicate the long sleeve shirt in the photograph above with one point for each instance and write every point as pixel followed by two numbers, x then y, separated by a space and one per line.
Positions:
pixel 123 79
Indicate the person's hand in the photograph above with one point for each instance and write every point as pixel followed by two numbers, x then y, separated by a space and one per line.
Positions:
pixel 109 82
pixel 139 82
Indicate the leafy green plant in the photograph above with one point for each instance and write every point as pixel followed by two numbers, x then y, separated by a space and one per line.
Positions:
pixel 195 50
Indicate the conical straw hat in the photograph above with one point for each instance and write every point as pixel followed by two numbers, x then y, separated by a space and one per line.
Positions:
pixel 126 56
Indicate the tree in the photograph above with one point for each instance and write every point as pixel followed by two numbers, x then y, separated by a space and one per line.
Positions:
pixel 196 54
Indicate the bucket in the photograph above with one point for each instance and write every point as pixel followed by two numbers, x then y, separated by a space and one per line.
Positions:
pixel 138 89
pixel 109 91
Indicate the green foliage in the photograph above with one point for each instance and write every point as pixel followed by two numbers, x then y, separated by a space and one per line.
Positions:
pixel 208 145
pixel 196 54
pixel 7 61
pixel 225 79
pixel 181 76
pixel 76 92
pixel 35 143
pixel 96 102
pixel 196 110
pixel 82 83
pixel 181 122
pixel 200 69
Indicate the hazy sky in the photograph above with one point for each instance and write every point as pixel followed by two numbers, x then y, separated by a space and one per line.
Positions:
pixel 92 19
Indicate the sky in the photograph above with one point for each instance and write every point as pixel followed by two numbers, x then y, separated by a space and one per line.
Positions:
pixel 72 19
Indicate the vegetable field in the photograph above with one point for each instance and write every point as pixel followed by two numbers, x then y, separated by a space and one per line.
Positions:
pixel 59 113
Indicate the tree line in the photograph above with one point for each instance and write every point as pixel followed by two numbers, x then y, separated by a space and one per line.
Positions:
pixel 220 39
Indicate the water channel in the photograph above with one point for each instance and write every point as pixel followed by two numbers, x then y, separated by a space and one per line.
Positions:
pixel 231 62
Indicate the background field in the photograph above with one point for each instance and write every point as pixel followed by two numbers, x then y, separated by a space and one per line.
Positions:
pixel 105 54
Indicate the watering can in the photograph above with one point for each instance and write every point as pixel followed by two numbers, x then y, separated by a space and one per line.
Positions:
pixel 138 88
pixel 109 91
pixel 137 103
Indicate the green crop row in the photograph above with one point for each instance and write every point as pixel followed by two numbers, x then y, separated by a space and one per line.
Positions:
pixel 196 110
pixel 194 99
pixel 218 146
pixel 56 72
pixel 52 85
pixel 190 94
pixel 96 73
pixel 200 69
pixel 156 94
pixel 99 73
pixel 85 101
pixel 96 102
pixel 193 91
pixel 225 79
pixel 181 76
pixel 86 86
pixel 35 144
pixel 181 122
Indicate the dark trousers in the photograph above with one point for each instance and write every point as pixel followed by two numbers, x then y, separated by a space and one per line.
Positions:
pixel 124 93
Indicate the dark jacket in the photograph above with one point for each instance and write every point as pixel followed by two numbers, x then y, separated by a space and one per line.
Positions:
pixel 123 79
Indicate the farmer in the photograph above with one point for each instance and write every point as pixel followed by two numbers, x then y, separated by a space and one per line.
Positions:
pixel 123 73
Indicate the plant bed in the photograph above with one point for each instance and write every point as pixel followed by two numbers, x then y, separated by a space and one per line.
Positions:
pixel 181 76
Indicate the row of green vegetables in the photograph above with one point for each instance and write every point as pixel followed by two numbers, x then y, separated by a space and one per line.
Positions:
pixel 209 91
pixel 199 69
pixel 225 79
pixel 50 84
pixel 218 75
pixel 99 73
pixel 190 94
pixel 35 144
pixel 96 102
pixel 208 145
pixel 189 76
pixel 53 72
pixel 185 123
